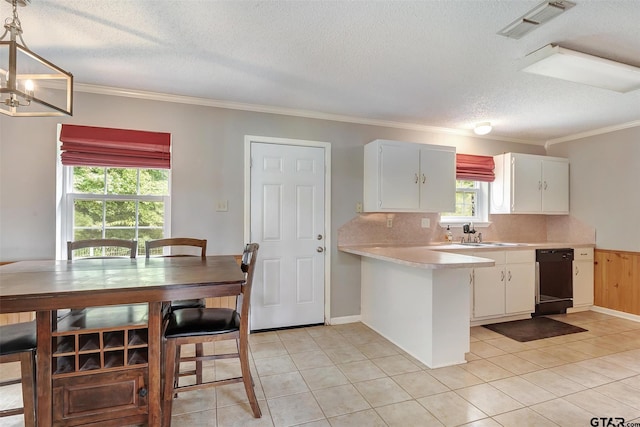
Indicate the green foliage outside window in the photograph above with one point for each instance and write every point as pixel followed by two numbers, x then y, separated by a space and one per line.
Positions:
pixel 116 215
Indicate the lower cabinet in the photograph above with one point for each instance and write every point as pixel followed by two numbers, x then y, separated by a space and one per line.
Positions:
pixel 583 269
pixel 508 288
pixel 100 398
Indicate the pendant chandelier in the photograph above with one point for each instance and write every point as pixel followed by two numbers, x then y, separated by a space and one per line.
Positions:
pixel 30 86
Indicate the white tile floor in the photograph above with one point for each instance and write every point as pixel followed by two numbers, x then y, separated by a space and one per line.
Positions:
pixel 347 375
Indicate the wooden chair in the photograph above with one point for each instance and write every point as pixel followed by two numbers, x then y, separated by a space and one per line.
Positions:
pixel 120 248
pixel 200 325
pixel 175 241
pixel 150 245
pixel 18 344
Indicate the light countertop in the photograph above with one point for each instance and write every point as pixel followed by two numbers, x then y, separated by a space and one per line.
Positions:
pixel 419 256
pixel 438 255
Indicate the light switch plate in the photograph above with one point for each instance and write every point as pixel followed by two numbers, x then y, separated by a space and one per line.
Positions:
pixel 425 223
pixel 359 207
pixel 222 206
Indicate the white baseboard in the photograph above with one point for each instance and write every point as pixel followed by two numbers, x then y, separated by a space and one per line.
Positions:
pixel 621 314
pixel 345 319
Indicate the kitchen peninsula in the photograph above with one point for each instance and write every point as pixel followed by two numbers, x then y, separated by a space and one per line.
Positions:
pixel 418 298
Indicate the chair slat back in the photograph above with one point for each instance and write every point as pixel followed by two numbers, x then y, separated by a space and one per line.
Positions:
pixel 119 248
pixel 175 241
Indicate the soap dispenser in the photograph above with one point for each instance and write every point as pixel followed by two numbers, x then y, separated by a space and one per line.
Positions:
pixel 449 235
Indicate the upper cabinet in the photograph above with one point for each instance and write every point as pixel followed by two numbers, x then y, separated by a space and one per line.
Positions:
pixel 409 177
pixel 530 184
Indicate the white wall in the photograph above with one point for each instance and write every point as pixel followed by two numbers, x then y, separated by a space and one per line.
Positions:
pixel 605 185
pixel 207 166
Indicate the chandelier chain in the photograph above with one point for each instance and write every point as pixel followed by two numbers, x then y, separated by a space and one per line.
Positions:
pixel 13 26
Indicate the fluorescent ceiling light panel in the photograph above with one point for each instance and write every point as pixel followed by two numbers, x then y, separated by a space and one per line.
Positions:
pixel 566 64
pixel 537 16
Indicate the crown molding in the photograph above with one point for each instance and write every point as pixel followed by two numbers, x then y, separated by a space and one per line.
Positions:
pixel 593 132
pixel 206 102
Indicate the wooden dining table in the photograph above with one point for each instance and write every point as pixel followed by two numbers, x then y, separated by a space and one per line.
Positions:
pixel 47 287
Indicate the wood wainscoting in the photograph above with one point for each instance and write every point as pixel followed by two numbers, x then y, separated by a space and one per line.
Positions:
pixel 224 302
pixel 617 280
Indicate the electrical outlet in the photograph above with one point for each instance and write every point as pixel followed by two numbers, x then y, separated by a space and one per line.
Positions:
pixel 359 207
pixel 222 206
pixel 389 222
pixel 425 223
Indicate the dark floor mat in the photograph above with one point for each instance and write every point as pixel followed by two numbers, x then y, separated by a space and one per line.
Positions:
pixel 532 329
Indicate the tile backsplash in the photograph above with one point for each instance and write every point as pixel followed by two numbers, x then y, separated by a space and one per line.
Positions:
pixel 406 229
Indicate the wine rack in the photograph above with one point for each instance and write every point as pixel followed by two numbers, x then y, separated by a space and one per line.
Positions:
pixel 101 339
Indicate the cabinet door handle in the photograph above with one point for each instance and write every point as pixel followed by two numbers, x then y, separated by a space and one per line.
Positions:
pixel 545 185
pixel 424 178
pixel 471 278
pixel 417 178
pixel 509 276
pixel 577 271
pixel 539 185
pixel 143 392
pixel 502 276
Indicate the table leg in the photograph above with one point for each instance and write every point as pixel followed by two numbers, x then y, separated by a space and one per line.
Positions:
pixel 43 369
pixel 155 383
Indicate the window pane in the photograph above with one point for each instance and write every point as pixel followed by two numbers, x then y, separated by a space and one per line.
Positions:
pixel 87 213
pixel 465 184
pixel 120 213
pixel 122 181
pixel 86 234
pixel 465 204
pixel 145 234
pixel 151 214
pixel 126 234
pixel 88 179
pixel 154 182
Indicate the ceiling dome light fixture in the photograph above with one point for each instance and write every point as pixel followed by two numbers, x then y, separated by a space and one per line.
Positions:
pixel 30 86
pixel 482 128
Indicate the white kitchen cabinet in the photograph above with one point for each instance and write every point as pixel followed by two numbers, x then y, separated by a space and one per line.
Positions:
pixel 488 286
pixel 530 184
pixel 508 288
pixel 582 277
pixel 520 282
pixel 408 177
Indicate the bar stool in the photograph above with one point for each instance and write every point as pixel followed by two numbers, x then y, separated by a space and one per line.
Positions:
pixel 18 344
pixel 200 325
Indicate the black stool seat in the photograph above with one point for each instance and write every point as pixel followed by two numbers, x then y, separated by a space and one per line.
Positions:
pixel 187 303
pixel 189 322
pixel 18 337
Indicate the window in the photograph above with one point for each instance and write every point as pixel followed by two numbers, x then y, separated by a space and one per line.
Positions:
pixel 471 203
pixel 120 203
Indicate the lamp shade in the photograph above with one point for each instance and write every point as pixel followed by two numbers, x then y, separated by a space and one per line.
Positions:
pixel 32 86
pixel 482 128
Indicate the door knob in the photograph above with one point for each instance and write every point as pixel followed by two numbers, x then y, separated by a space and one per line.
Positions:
pixel 320 249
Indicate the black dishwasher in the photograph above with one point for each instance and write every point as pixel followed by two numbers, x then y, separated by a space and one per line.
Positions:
pixel 554 281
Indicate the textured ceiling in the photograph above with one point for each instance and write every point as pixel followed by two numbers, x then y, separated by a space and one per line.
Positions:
pixel 432 63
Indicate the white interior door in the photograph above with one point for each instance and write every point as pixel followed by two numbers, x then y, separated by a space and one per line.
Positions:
pixel 287 219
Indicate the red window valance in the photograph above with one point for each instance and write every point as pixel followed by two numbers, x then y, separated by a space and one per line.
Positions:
pixel 107 147
pixel 476 168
